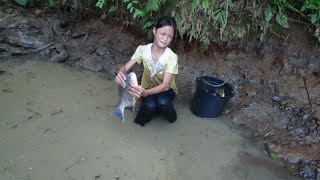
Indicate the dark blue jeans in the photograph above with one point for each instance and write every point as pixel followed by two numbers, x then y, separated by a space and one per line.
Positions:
pixel 161 102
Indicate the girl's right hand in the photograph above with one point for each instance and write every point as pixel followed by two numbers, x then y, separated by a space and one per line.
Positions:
pixel 121 77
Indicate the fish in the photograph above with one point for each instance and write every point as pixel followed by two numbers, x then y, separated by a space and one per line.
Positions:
pixel 220 92
pixel 126 100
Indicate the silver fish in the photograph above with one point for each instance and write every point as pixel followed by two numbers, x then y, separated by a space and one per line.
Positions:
pixel 126 100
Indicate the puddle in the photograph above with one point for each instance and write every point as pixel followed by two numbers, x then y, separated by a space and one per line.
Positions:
pixel 56 123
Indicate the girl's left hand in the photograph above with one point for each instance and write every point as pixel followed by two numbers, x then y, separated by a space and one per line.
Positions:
pixel 137 91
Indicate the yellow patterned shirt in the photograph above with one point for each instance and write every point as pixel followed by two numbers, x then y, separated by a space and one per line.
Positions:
pixel 153 73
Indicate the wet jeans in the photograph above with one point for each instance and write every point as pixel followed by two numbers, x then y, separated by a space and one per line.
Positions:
pixel 161 102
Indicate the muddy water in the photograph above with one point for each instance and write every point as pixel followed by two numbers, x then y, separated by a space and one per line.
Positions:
pixel 56 123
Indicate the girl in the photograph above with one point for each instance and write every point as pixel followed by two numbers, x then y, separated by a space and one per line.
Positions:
pixel 158 85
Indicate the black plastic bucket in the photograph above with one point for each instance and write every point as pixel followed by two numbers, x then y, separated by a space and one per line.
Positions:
pixel 211 96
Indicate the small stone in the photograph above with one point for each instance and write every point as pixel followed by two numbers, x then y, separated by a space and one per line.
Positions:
pixel 77 34
pixel 317 100
pixel 276 98
pixel 38 11
pixel 102 51
pixel 181 153
pixel 305 117
pixel 117 177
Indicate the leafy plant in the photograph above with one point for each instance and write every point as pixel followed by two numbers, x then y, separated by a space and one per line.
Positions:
pixel 312 7
pixel 276 8
pixel 200 20
pixel 142 9
pixel 133 8
pixel 100 3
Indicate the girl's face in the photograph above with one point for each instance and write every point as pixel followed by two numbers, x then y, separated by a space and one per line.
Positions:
pixel 163 36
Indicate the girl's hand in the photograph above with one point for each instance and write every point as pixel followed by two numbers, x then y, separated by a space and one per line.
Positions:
pixel 137 91
pixel 121 77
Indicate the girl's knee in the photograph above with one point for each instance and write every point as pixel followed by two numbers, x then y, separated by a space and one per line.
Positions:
pixel 149 106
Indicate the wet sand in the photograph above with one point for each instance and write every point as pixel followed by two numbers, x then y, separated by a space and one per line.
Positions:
pixel 56 123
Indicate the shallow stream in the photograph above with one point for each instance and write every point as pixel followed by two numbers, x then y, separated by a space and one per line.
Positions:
pixel 56 123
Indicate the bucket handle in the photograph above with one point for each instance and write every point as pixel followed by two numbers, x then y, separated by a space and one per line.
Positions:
pixel 213 84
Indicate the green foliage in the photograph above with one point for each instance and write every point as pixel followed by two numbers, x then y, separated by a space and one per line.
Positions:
pixel 100 3
pixel 276 7
pixel 207 21
pixel 282 20
pixel 22 2
pixel 312 7
pixel 201 19
pixel 267 16
pixel 144 10
pixel 26 3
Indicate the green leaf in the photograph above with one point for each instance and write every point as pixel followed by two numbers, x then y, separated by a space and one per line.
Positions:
pixel 125 1
pixel 303 8
pixel 282 20
pixel 131 9
pixel 147 25
pixel 205 5
pixel 22 2
pixel 265 24
pixel 314 17
pixel 273 155
pixel 195 5
pixel 129 5
pixel 100 4
pixel 135 15
pixel 152 5
pixel 313 6
pixel 139 12
pixel 112 9
pixel 268 13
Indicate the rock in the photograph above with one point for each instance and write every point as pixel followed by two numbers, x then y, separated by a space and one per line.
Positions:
pixel 317 100
pixel 97 177
pixel 78 34
pixel 62 55
pixel 35 23
pixel 102 51
pixel 92 63
pixel 298 59
pixel 314 65
pixel 37 11
pixel 276 98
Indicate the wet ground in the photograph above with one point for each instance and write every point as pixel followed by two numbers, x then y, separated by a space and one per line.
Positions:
pixel 56 123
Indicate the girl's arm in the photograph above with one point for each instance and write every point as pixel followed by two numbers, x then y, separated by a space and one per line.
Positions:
pixel 138 91
pixel 121 76
pixel 164 86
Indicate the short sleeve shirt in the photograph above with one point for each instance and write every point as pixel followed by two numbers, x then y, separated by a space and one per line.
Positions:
pixel 153 73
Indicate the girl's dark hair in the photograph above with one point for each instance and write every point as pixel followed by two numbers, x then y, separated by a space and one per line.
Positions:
pixel 166 21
